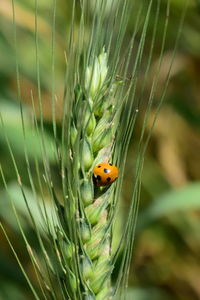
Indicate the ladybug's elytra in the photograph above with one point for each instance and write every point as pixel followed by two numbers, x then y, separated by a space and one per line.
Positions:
pixel 105 173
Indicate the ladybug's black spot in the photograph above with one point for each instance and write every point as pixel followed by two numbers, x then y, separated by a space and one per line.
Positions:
pixel 99 167
pixel 110 164
pixel 94 179
pixel 108 179
pixel 106 171
pixel 98 177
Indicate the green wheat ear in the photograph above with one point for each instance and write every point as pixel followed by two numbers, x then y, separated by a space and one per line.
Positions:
pixel 93 135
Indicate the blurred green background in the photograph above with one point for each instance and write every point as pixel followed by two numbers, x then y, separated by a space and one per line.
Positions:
pixel 166 256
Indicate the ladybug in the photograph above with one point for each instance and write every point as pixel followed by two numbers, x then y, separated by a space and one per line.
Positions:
pixel 105 173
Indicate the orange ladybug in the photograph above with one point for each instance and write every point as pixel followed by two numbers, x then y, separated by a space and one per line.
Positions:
pixel 105 173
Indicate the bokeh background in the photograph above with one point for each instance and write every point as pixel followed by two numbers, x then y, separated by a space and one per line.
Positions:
pixel 166 256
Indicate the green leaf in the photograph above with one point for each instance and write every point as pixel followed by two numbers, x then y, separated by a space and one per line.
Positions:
pixel 182 199
pixel 143 294
pixel 14 194
pixel 33 140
